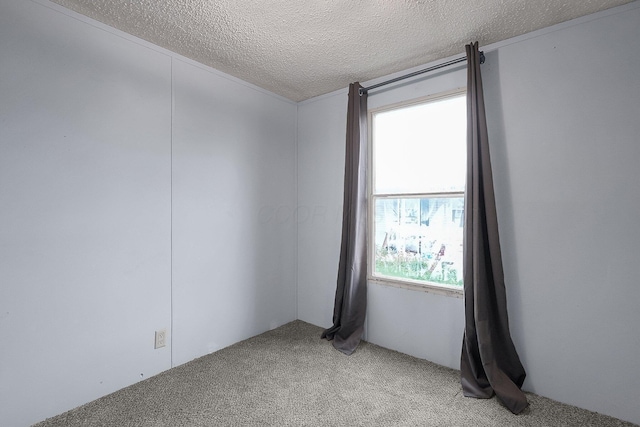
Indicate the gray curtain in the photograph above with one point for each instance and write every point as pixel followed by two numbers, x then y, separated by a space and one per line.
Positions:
pixel 489 361
pixel 351 292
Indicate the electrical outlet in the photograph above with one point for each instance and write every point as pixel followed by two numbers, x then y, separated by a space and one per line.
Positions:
pixel 161 338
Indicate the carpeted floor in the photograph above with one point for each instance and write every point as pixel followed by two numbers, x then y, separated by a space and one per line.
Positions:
pixel 290 377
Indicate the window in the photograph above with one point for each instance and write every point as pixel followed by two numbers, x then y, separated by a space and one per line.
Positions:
pixel 417 192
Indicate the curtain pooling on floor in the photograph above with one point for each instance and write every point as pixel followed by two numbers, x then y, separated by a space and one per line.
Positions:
pixel 351 291
pixel 489 362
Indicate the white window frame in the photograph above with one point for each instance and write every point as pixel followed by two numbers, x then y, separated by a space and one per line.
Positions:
pixel 432 287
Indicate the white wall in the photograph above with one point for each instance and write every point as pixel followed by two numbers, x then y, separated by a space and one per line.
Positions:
pixel 563 112
pixel 90 220
pixel 562 109
pixel 321 135
pixel 233 258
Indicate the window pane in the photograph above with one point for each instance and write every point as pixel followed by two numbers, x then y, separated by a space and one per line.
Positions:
pixel 421 148
pixel 419 238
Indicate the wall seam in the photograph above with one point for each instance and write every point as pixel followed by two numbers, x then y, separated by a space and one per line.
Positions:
pixel 156 48
pixel 295 216
pixel 171 214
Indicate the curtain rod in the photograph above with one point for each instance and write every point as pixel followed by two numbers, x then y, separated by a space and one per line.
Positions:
pixel 364 90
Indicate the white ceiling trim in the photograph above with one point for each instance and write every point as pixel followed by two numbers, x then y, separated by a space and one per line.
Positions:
pixel 306 48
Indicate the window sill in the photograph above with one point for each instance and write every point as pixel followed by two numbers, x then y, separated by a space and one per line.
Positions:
pixel 417 286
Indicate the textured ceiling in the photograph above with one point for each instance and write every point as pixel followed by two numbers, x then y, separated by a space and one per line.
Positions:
pixel 300 49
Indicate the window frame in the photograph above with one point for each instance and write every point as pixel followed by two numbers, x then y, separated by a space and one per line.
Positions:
pixel 405 283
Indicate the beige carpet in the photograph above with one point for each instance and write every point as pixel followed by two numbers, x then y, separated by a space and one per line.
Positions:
pixel 290 377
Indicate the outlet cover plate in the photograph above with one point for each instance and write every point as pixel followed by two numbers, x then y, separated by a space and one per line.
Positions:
pixel 161 338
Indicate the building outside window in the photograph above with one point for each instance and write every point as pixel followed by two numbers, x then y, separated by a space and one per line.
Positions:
pixel 417 183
